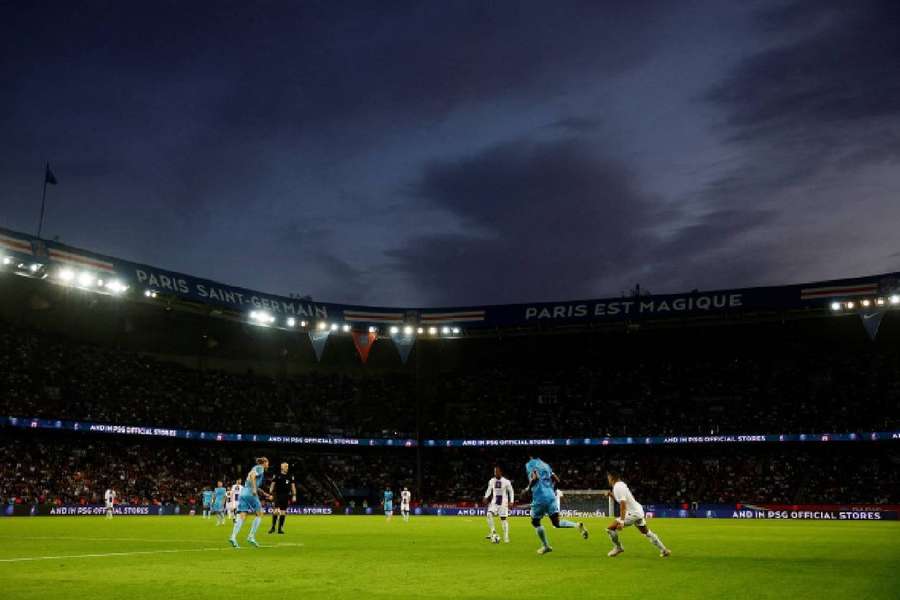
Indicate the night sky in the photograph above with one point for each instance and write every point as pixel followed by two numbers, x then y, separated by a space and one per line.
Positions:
pixel 439 153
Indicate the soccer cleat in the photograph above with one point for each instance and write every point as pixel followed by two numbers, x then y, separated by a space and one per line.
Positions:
pixel 233 543
pixel 583 530
pixel 615 552
pixel 253 542
pixel 505 540
pixel 544 550
pixel 272 530
pixel 665 553
pixel 281 532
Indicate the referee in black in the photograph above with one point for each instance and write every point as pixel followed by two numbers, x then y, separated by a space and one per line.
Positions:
pixel 284 490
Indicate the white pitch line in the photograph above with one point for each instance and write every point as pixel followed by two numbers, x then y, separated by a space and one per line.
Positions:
pixel 136 553
pixel 101 539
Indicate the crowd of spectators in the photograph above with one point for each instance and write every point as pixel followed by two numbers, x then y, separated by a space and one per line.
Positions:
pixel 78 468
pixel 801 387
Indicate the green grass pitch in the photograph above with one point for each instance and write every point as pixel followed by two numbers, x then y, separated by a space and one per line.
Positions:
pixel 169 558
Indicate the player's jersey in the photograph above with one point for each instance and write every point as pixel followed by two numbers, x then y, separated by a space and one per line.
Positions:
pixel 247 490
pixel 207 497
pixel 283 484
pixel 621 492
pixel 388 497
pixel 500 491
pixel 109 496
pixel 405 497
pixel 236 492
pixel 542 489
pixel 219 496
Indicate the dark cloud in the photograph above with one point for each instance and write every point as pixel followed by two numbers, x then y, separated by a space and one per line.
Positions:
pixel 829 82
pixel 549 220
pixel 542 220
pixel 576 125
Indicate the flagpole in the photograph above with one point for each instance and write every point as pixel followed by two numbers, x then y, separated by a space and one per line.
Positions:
pixel 43 202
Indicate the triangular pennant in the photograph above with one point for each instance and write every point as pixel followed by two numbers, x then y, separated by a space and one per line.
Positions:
pixel 871 322
pixel 404 342
pixel 318 337
pixel 363 342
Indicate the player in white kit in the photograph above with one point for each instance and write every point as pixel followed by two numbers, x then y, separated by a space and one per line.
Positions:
pixel 499 496
pixel 630 513
pixel 233 496
pixel 405 498
pixel 110 498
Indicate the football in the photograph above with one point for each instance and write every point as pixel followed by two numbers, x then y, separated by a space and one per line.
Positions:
pixel 495 538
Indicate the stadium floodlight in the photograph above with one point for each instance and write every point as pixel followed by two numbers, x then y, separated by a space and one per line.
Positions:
pixel 408 330
pixel 100 283
pixel 456 331
pixel 35 267
pixel 850 305
pixel 334 326
pixel 291 321
pixel 303 323
pixel 835 306
pixel 66 275
pixel 432 330
pixel 322 325
pixel 880 301
pixel 420 331
pixel 345 328
pixel 373 330
pixel 150 293
pixel 116 287
pixel 253 315
pixel 394 330
pixel 7 260
pixel 445 330
pixel 895 299
pixel 865 303
pixel 85 279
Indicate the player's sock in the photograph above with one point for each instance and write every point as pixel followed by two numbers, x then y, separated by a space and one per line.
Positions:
pixel 238 523
pixel 274 522
pixel 542 534
pixel 614 536
pixel 281 523
pixel 505 525
pixel 567 524
pixel 490 520
pixel 654 539
pixel 253 527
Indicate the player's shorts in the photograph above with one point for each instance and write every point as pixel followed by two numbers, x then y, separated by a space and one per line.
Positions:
pixel 498 510
pixel 217 507
pixel 249 504
pixel 545 508
pixel 206 506
pixel 388 507
pixel 635 518
pixel 281 502
pixel 404 507
pixel 109 504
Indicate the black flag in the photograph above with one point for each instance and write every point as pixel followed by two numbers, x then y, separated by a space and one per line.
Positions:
pixel 49 177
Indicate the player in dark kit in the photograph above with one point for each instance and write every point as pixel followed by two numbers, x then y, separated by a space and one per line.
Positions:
pixel 284 489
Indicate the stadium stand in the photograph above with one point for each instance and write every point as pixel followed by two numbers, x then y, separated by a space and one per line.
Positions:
pixel 69 354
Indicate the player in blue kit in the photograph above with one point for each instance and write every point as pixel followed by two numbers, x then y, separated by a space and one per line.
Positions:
pixel 541 482
pixel 218 503
pixel 207 498
pixel 248 502
pixel 388 503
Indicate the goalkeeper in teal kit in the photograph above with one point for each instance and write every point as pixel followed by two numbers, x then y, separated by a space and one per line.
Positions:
pixel 541 482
